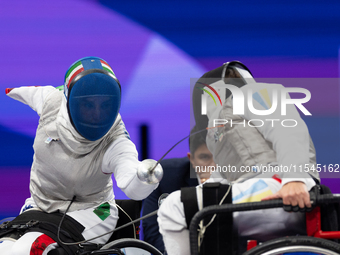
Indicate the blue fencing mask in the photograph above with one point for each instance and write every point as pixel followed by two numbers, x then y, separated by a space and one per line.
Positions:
pixel 93 97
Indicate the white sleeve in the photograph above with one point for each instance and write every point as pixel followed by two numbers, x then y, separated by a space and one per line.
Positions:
pixel 291 144
pixel 32 96
pixel 121 159
pixel 173 226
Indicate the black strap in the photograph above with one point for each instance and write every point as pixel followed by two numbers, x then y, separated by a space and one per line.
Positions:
pixel 48 223
pixel 189 200
pixel 329 212
pixel 218 238
pixel 132 208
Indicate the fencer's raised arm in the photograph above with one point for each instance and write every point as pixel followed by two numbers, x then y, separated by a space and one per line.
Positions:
pixel 33 96
pixel 121 159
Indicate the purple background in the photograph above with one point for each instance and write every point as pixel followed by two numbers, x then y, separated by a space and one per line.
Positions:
pixel 154 51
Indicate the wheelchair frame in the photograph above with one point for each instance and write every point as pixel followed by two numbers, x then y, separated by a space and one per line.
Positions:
pixel 313 219
pixel 313 224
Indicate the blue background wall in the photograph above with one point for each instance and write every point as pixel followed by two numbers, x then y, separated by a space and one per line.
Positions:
pixel 155 47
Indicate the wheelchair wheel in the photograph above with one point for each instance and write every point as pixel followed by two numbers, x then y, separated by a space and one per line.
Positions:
pixel 132 246
pixel 296 244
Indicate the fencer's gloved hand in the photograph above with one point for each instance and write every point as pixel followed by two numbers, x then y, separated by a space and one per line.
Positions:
pixel 149 171
pixel 313 194
pixel 290 208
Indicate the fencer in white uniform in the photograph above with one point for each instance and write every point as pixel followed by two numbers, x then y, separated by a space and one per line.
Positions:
pixel 254 153
pixel 80 142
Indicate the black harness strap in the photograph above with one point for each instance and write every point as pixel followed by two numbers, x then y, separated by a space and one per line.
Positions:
pixel 47 223
pixel 189 200
pixel 218 238
pixel 329 212
pixel 221 228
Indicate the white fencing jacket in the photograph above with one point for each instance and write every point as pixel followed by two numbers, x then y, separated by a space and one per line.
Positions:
pixel 65 164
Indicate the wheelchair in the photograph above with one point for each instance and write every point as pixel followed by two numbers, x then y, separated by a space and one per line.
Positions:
pixel 316 242
pixel 122 242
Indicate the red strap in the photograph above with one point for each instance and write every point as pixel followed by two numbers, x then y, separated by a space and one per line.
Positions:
pixel 277 178
pixel 40 244
pixel 251 244
pixel 8 90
